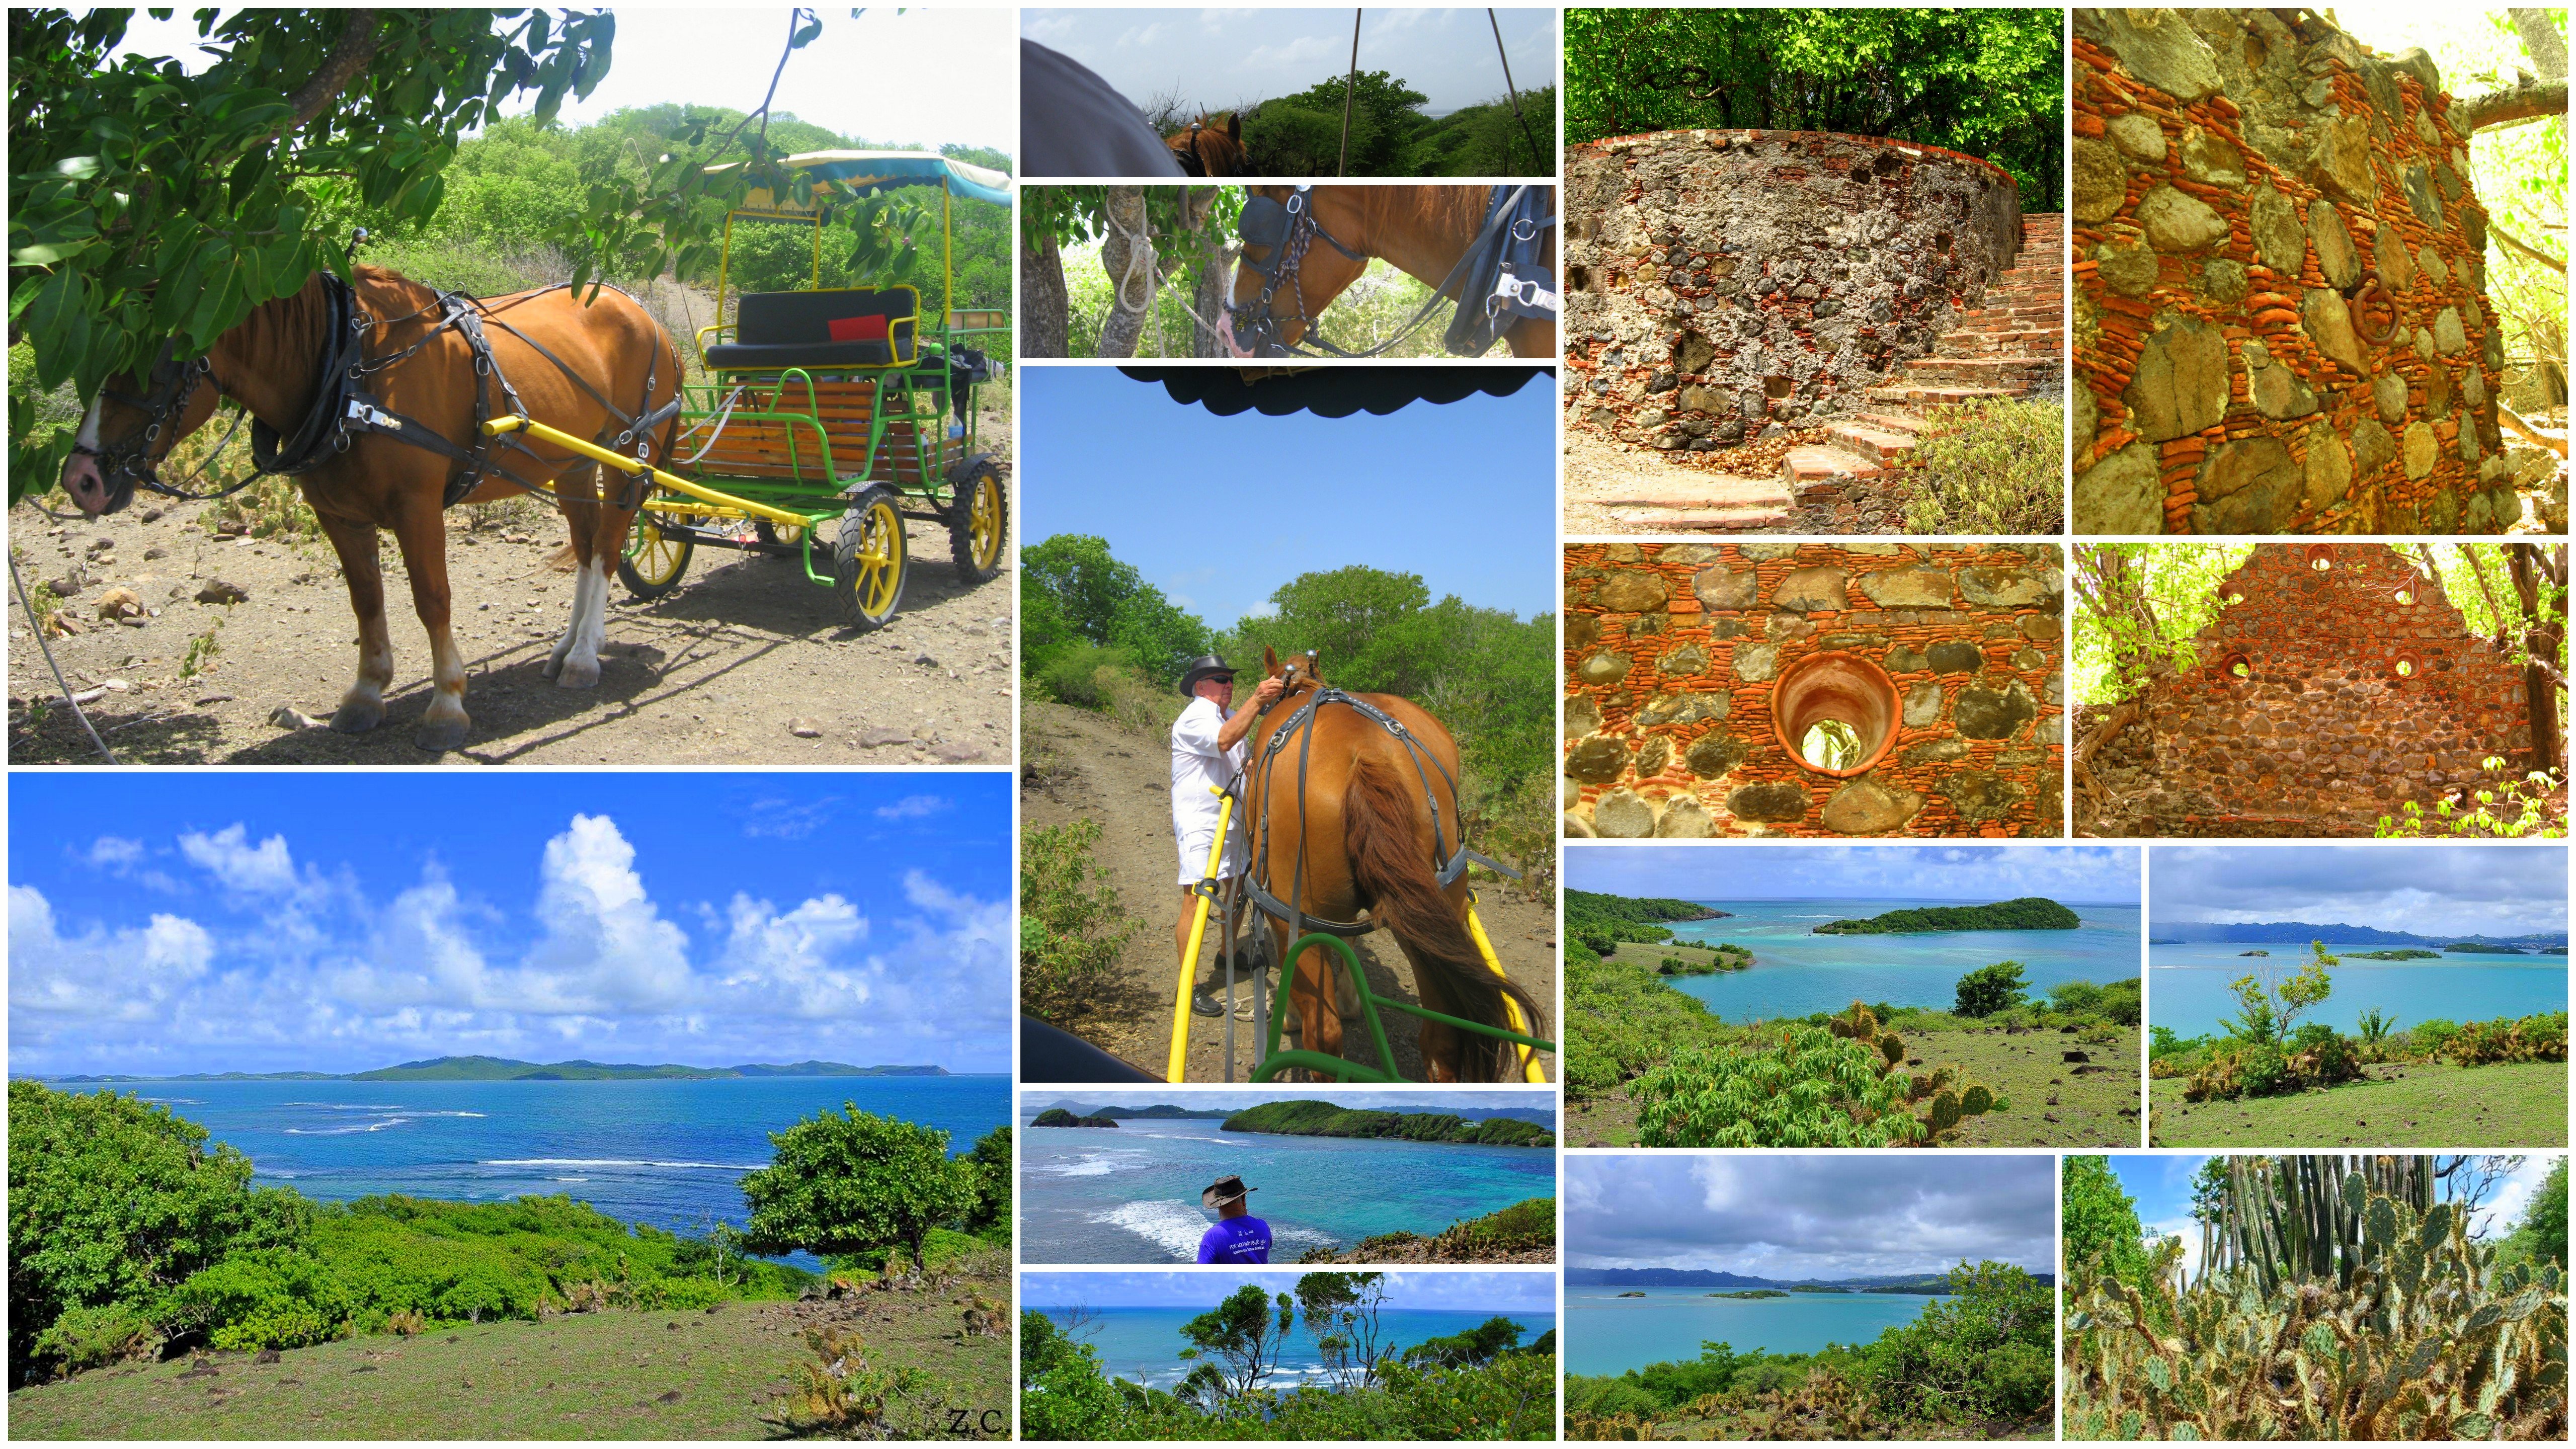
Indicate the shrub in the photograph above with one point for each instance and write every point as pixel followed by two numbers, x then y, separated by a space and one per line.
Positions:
pixel 1084 673
pixel 852 1182
pixel 95 1335
pixel 1987 467
pixel 2540 1038
pixel 1072 924
pixel 1990 989
pixel 1793 1085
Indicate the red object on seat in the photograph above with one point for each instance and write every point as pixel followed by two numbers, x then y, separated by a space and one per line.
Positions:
pixel 858 329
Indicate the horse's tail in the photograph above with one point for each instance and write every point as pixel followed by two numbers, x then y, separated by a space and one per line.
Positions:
pixel 1378 816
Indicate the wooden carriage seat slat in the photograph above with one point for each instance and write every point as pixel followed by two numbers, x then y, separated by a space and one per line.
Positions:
pixel 751 447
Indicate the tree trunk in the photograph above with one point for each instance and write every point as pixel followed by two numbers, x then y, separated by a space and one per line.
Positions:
pixel 2526 100
pixel 1042 298
pixel 1214 274
pixel 1127 255
pixel 2531 568
pixel 2540 36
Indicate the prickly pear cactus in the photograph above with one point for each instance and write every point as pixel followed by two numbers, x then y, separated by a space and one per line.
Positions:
pixel 1795 1085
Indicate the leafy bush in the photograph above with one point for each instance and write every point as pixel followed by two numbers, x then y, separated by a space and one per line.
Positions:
pixel 2538 1038
pixel 95 1335
pixel 854 1183
pixel 1072 924
pixel 1623 1019
pixel 112 1201
pixel 1990 989
pixel 1794 1085
pixel 1987 467
pixel 1079 675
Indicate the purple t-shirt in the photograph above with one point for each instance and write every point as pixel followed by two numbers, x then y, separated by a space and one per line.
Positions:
pixel 1236 1240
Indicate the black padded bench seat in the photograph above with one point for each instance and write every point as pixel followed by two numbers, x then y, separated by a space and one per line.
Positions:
pixel 774 330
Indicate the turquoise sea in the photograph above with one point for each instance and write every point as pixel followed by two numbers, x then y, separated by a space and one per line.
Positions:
pixel 1144 1344
pixel 668 1153
pixel 1799 973
pixel 2187 985
pixel 1130 1193
pixel 1607 1334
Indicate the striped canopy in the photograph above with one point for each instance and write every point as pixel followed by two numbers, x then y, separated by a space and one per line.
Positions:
pixel 864 173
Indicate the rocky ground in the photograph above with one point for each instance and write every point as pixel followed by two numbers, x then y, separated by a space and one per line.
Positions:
pixel 1077 765
pixel 231 649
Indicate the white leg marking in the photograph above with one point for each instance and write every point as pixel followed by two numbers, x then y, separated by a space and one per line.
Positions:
pixel 589 627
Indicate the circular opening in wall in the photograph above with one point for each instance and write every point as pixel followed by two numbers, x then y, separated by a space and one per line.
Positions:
pixel 2320 557
pixel 2406 666
pixel 2230 594
pixel 2405 595
pixel 1835 713
pixel 2236 667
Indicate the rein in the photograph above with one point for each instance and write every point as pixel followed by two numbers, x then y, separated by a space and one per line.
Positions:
pixel 1256 324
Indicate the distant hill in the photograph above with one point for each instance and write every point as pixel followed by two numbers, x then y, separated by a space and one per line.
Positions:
pixel 2023 913
pixel 504 1069
pixel 1711 1278
pixel 1165 1111
pixel 2300 933
pixel 1326 1119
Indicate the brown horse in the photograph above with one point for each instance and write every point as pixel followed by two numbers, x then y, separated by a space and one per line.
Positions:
pixel 271 365
pixel 1364 831
pixel 1421 230
pixel 1204 149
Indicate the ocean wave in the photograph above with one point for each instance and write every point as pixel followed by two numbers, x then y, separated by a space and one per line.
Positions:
pixel 1087 1167
pixel 371 1107
pixel 616 1162
pixel 345 1131
pixel 176 1101
pixel 1172 1228
pixel 1304 1235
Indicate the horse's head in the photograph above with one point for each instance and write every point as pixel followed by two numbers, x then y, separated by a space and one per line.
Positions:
pixel 1297 672
pixel 131 426
pixel 1286 279
pixel 1203 148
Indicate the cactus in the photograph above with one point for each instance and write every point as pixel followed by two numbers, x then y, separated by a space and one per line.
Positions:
pixel 1800 1086
pixel 2366 1313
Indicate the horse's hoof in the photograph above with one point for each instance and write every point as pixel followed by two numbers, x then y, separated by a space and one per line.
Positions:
pixel 551 667
pixel 578 675
pixel 439 735
pixel 357 719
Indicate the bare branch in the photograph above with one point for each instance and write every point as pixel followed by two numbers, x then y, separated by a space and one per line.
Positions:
pixel 349 56
pixel 2514 421
pixel 2554 264
pixel 2525 100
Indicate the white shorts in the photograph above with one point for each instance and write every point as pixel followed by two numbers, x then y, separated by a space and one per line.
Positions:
pixel 1195 840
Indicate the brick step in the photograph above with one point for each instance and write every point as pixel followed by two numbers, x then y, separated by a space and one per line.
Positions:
pixel 2049 331
pixel 1886 445
pixel 1707 492
pixel 1814 467
pixel 2016 373
pixel 1747 520
pixel 1930 397
pixel 2023 341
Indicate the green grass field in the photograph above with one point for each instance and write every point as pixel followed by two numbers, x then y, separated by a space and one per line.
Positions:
pixel 609 1375
pixel 1651 955
pixel 2026 1067
pixel 2509 1104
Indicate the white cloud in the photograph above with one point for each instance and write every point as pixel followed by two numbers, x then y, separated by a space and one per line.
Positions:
pixel 122 974
pixel 606 945
pixel 912 807
pixel 227 855
pixel 115 853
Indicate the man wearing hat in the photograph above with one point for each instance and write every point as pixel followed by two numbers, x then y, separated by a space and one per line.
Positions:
pixel 1237 1236
pixel 1207 750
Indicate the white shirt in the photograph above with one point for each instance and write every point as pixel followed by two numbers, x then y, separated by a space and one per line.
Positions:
pixel 1198 766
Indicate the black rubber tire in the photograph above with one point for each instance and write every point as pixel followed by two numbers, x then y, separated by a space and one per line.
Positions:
pixel 962 551
pixel 867 598
pixel 647 539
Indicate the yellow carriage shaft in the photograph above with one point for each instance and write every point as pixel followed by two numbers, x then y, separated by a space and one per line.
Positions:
pixel 633 468
pixel 1513 1016
pixel 1177 1064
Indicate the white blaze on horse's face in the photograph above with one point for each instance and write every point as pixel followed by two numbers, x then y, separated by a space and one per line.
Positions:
pixel 81 477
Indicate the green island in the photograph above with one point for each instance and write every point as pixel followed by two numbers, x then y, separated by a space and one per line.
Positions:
pixel 1974 1364
pixel 1647 1064
pixel 503 1069
pixel 2253 953
pixel 2268 1079
pixel 1750 1293
pixel 1815 1288
pixel 2400 953
pixel 154 1292
pixel 2024 913
pixel 2480 948
pixel 1326 1119
pixel 1483 1383
pixel 1633 1293
pixel 1058 1117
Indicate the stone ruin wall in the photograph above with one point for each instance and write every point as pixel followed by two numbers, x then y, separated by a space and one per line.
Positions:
pixel 1721 283
pixel 1673 653
pixel 2238 183
pixel 2325 736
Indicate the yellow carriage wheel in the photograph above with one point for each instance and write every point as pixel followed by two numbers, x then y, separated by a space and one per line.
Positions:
pixel 654 560
pixel 868 560
pixel 979 522
pixel 789 537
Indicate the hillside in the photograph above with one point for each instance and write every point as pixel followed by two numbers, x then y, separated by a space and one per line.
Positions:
pixel 2300 933
pixel 1324 1119
pixel 1714 1278
pixel 2025 913
pixel 505 1069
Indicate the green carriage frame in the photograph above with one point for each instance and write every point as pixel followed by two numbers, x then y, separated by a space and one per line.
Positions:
pixel 835 442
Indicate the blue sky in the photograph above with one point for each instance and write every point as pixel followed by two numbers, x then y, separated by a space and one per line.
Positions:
pixel 2161 1186
pixel 903 79
pixel 2099 875
pixel 1219 512
pixel 2430 889
pixel 167 922
pixel 1829 1216
pixel 1477 1292
pixel 1223 58
pixel 1396 1101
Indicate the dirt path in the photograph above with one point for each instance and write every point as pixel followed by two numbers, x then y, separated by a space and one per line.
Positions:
pixel 715 672
pixel 1080 765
